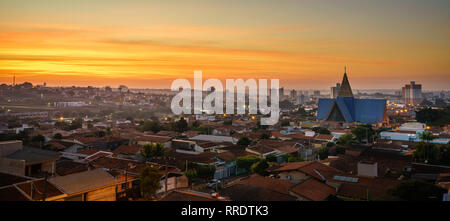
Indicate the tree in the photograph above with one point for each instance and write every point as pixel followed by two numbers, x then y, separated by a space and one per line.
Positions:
pixel 434 116
pixel 205 171
pixel 284 123
pixel 265 135
pixel 227 122
pixel 292 159
pixel 150 151
pixel 190 174
pixel 426 136
pixel 244 141
pixel 364 132
pixel 259 167
pixel 149 179
pixel 321 130
pixel 246 162
pixel 417 190
pixel 271 158
pixel 196 124
pixel 151 126
pixel 324 152
pixel 58 136
pixel 346 139
pixel 182 125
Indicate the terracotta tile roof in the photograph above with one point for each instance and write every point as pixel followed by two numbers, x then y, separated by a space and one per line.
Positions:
pixel 324 137
pixel 130 166
pixel 320 170
pixel 184 195
pixel 260 149
pixel 127 149
pixel 258 188
pixel 314 190
pixel 312 168
pixel 83 181
pixel 99 154
pixel 153 138
pixel 89 151
pixel 291 166
pixel 67 166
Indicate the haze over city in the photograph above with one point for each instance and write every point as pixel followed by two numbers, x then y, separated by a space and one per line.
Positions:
pixel 148 44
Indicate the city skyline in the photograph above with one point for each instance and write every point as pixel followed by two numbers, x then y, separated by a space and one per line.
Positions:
pixel 305 44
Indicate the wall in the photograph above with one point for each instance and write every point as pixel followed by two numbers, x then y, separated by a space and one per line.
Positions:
pixel 12 166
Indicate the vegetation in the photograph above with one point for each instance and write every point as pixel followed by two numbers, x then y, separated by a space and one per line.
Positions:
pixel 153 126
pixel 417 190
pixel 149 182
pixel 179 126
pixel 437 117
pixel 321 130
pixel 150 151
pixel 347 139
pixel 426 136
pixel 58 136
pixel 246 162
pixel 244 141
pixel 284 123
pixel 364 132
pixel 432 153
pixel 271 158
pixel 259 167
pixel 190 174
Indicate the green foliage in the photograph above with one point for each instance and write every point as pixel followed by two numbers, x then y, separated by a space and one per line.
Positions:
pixel 246 162
pixel 321 130
pixel 346 139
pixel 295 159
pixel 58 136
pixel 265 135
pixel 244 141
pixel 205 171
pixel 196 124
pixel 259 167
pixel 271 158
pixel 153 150
pixel 190 174
pixel 149 182
pixel 426 136
pixel 284 123
pixel 151 126
pixel 432 153
pixel 438 117
pixel 203 130
pixel 364 132
pixel 417 190
pixel 324 152
pixel 227 122
pixel 179 126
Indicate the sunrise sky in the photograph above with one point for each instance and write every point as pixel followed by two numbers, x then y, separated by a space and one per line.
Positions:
pixel 147 44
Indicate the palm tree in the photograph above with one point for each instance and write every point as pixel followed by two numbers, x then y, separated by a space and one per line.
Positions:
pixel 426 136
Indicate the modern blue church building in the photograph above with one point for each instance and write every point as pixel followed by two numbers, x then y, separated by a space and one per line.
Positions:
pixel 346 109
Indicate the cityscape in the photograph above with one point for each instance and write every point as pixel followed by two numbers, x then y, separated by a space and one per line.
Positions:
pixel 81 121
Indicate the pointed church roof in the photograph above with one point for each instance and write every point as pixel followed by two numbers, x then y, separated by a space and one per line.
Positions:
pixel 345 90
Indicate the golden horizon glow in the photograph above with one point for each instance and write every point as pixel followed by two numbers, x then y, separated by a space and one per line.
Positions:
pixel 148 45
